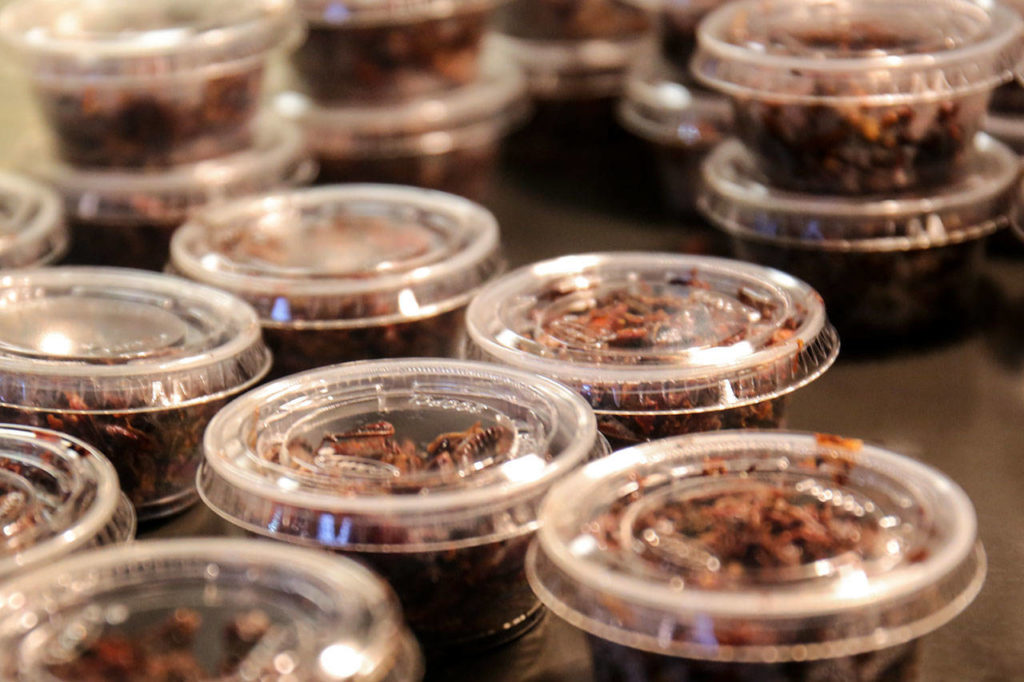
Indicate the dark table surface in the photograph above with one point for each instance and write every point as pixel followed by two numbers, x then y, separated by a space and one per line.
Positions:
pixel 957 404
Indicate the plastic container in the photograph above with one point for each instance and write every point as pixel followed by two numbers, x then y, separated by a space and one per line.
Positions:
pixel 757 556
pixel 32 228
pixel 676 25
pixel 876 96
pixel 57 496
pixel 126 218
pixel 347 272
pixel 133 363
pixel 204 610
pixel 658 344
pixel 680 124
pixel 1007 128
pixel 571 21
pixel 888 266
pixel 369 50
pixel 447 141
pixel 153 84
pixel 429 471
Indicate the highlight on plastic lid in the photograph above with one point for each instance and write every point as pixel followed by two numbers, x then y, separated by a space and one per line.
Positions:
pixel 124 339
pixel 347 255
pixel 757 546
pixel 104 40
pixel 205 609
pixel 443 452
pixel 32 228
pixel 675 332
pixel 870 52
pixel 737 197
pixel 57 496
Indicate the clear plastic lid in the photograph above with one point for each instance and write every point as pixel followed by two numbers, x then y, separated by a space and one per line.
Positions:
pixel 443 453
pixel 98 41
pixel 278 157
pixel 757 546
pixel 32 229
pixel 477 113
pixel 865 52
pixel 737 198
pixel 57 495
pixel 362 12
pixel 659 108
pixel 569 69
pixel 204 609
pixel 345 255
pixel 673 333
pixel 92 339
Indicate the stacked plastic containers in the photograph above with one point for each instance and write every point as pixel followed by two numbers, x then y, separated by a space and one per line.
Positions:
pixel 1005 119
pixel 861 168
pixel 575 54
pixel 679 119
pixel 153 109
pixel 400 93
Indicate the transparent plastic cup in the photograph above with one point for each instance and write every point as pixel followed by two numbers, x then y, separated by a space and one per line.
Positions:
pixel 429 471
pixel 133 363
pixel 888 266
pixel 126 219
pixel 204 610
pixel 32 227
pixel 57 496
pixel 781 557
pixel 346 272
pixel 658 344
pixel 876 96
pixel 447 140
pixel 680 123
pixel 371 51
pixel 151 84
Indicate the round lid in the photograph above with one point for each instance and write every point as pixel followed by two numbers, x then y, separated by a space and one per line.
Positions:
pixel 32 229
pixel 655 332
pixel 90 40
pixel 570 69
pixel 204 609
pixel 350 255
pixel 658 108
pixel 439 451
pixel 758 547
pixel 479 112
pixel 355 12
pixel 111 338
pixel 870 51
pixel 736 197
pixel 277 157
pixel 57 495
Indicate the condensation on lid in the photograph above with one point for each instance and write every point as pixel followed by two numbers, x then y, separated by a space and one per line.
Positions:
pixel 758 546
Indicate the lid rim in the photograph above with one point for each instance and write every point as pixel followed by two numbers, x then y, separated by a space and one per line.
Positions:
pixel 225 426
pixel 1008 26
pixel 101 513
pixel 751 601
